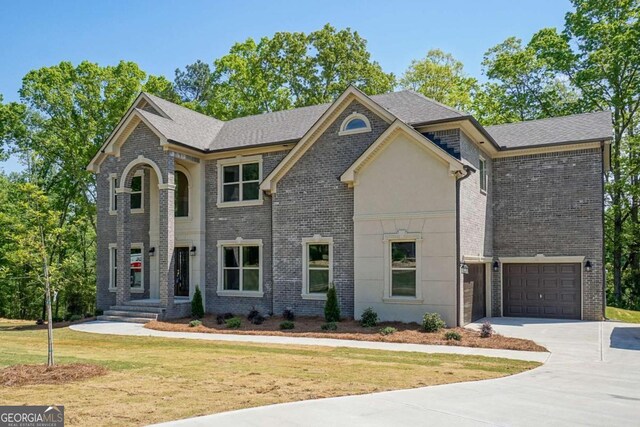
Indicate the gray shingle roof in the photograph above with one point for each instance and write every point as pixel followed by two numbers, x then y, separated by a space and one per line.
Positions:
pixel 207 133
pixel 554 130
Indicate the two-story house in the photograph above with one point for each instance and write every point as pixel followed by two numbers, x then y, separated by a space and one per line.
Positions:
pixel 403 204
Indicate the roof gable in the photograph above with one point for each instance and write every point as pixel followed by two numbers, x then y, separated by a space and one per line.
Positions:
pixel 398 128
pixel 269 184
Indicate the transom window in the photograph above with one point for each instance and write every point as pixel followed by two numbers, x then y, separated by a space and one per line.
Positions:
pixel 239 180
pixel 241 268
pixel 355 123
pixel 403 269
pixel 482 172
pixel 181 195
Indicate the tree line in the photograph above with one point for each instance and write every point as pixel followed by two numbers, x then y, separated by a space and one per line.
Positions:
pixel 66 111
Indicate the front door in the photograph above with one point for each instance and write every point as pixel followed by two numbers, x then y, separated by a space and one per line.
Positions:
pixel 181 272
pixel 474 295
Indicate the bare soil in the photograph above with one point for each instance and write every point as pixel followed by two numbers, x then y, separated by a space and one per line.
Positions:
pixel 21 375
pixel 350 329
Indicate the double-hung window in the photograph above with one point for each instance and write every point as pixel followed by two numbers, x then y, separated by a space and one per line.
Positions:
pixel 403 269
pixel 240 267
pixel 137 191
pixel 317 266
pixel 136 267
pixel 240 181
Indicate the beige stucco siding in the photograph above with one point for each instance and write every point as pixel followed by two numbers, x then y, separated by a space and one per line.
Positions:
pixel 405 192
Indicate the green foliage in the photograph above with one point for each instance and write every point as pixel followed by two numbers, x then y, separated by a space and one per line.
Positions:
pixel 281 72
pixel 432 322
pixel 486 330
pixel 287 324
pixel 388 330
pixel 452 336
pixel 369 318
pixel 440 76
pixel 197 309
pixel 331 306
pixel 233 323
pixel 195 323
pixel 75 317
pixel 329 326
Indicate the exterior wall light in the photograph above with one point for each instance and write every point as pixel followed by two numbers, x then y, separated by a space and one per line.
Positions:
pixel 152 251
pixel 587 266
pixel 192 252
pixel 496 266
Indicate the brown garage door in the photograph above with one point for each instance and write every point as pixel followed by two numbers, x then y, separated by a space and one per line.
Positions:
pixel 542 290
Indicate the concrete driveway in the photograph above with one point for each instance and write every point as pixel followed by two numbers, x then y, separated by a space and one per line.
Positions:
pixel 591 378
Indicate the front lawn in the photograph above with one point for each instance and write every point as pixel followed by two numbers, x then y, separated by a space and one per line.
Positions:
pixel 350 330
pixel 622 315
pixel 156 379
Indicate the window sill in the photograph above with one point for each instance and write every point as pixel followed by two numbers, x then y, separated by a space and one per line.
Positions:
pixel 133 291
pixel 183 218
pixel 240 203
pixel 137 211
pixel 316 297
pixel 246 294
pixel 402 300
pixel 353 132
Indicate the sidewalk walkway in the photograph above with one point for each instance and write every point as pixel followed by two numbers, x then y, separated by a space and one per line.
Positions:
pixel 117 328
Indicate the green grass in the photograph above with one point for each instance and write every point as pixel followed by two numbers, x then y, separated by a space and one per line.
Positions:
pixel 156 379
pixel 628 316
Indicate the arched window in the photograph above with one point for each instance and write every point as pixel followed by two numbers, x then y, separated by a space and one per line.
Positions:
pixel 355 123
pixel 181 194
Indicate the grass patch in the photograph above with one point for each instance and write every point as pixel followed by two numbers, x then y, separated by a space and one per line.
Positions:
pixel 622 315
pixel 152 379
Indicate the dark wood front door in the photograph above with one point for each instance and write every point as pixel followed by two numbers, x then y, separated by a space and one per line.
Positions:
pixel 474 293
pixel 181 270
pixel 542 290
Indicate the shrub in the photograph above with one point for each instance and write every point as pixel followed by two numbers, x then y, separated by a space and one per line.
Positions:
pixel 288 314
pixel 57 319
pixel 197 309
pixel 388 330
pixel 331 307
pixel 219 319
pixel 233 323
pixel 99 312
pixel 253 313
pixel 452 335
pixel 369 318
pixel 39 322
pixel 75 317
pixel 331 326
pixel 258 319
pixel 287 324
pixel 486 330
pixel 195 323
pixel 227 316
pixel 432 322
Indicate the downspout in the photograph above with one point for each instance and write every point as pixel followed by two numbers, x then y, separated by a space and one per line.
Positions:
pixel 604 256
pixel 468 170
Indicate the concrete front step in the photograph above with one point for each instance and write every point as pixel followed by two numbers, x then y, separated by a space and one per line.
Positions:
pixel 131 313
pixel 136 308
pixel 124 319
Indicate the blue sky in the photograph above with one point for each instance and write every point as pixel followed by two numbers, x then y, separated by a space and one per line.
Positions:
pixel 161 35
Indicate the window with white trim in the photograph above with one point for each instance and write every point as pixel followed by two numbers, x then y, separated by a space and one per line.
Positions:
pixel 137 183
pixel 113 266
pixel 317 266
pixel 403 268
pixel 482 173
pixel 241 267
pixel 354 123
pixel 113 197
pixel 181 195
pixel 136 267
pixel 239 181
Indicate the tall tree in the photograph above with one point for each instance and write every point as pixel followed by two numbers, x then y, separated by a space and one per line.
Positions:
pixel 441 77
pixel 280 72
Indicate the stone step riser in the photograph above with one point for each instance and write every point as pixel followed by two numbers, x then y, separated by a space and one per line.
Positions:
pixel 134 308
pixel 124 319
pixel 130 313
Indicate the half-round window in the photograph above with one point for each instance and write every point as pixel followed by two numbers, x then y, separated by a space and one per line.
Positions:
pixel 355 123
pixel 181 194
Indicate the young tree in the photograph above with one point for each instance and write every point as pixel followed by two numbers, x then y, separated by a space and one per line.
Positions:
pixel 441 77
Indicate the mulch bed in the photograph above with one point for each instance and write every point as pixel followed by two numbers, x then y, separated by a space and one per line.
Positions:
pixel 350 329
pixel 21 375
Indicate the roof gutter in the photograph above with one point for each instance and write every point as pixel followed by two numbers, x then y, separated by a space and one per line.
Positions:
pixel 468 170
pixel 471 119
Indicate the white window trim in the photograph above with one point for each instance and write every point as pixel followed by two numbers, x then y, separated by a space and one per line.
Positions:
pixel 354 115
pixel 112 279
pixel 112 193
pixel 186 173
pixel 402 236
pixel 316 239
pixel 484 178
pixel 239 242
pixel 239 161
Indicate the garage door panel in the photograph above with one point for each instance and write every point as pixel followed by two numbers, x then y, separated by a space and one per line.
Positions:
pixel 542 290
